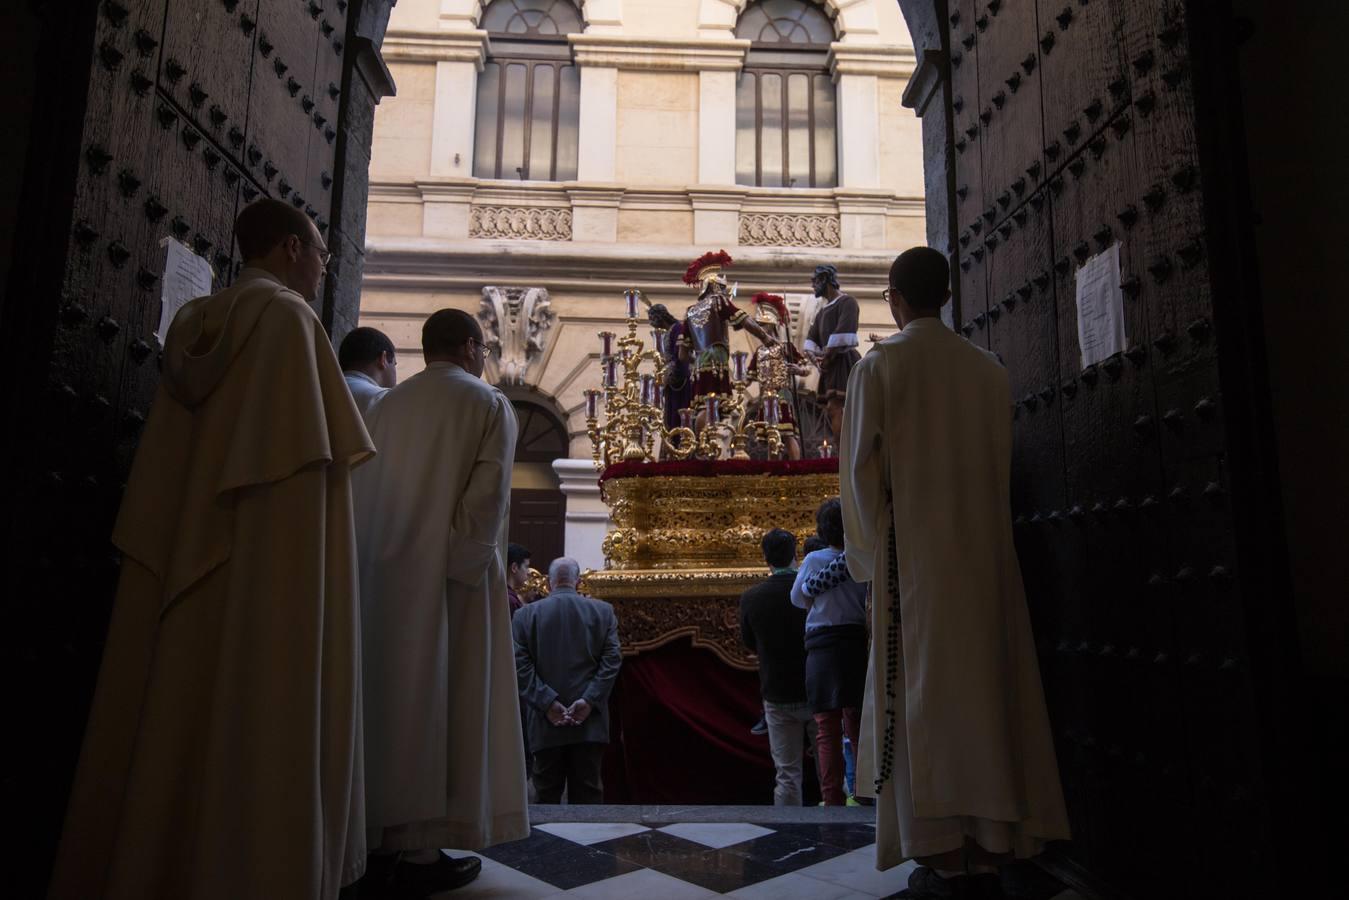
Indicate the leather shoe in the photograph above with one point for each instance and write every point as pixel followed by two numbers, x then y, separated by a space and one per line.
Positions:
pixel 414 882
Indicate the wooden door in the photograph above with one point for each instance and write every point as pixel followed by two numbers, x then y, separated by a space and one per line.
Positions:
pixel 1075 125
pixel 154 121
pixel 538 522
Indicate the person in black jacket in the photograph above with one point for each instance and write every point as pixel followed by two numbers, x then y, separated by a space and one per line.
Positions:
pixel 775 630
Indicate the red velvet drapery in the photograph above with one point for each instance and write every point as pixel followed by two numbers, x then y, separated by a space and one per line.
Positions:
pixel 680 732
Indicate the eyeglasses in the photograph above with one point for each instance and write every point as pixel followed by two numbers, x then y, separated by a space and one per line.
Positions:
pixel 485 350
pixel 889 295
pixel 325 255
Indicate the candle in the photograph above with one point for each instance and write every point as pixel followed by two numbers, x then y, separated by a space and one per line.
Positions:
pixel 686 418
pixel 738 359
pixel 610 372
pixel 826 450
pixel 771 412
pixel 712 405
pixel 658 339
pixel 658 396
pixel 631 297
pixel 607 343
pixel 648 390
pixel 592 404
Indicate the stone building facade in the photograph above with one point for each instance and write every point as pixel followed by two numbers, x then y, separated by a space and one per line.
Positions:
pixel 542 156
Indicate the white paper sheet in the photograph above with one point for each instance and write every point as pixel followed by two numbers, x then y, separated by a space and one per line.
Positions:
pixel 186 277
pixel 1100 307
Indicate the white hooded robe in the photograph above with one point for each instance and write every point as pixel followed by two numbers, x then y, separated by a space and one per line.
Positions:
pixel 956 728
pixel 444 754
pixel 222 758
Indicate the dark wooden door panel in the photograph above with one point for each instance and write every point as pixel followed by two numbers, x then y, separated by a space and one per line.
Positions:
pixel 1121 495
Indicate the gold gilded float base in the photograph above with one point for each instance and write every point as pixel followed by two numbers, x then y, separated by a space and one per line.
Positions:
pixel 688 522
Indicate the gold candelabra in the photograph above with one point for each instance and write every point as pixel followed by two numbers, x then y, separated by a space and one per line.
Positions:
pixel 713 426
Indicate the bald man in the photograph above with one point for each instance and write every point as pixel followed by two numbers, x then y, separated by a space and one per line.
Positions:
pixel 222 756
pixel 445 763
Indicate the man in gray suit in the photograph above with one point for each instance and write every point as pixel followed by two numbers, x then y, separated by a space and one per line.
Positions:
pixel 566 660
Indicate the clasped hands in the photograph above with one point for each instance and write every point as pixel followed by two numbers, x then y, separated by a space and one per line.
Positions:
pixel 575 714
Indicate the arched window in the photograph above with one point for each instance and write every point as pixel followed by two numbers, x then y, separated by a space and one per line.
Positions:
pixel 785 124
pixel 528 93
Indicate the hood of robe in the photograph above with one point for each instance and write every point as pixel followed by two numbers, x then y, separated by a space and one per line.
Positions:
pixel 207 334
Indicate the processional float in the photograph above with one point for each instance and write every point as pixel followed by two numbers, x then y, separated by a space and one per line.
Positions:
pixel 688 502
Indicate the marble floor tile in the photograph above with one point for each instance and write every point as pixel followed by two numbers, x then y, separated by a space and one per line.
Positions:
pixel 539 843
pixel 587 833
pixel 849 836
pixel 716 834
pixel 498 882
pixel 575 866
pixel 785 852
pixel 1069 895
pixel 857 870
pixel 716 870
pixel 646 884
pixel 794 886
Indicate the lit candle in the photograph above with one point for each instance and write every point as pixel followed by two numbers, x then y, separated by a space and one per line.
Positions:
pixel 686 417
pixel 826 450
pixel 631 297
pixel 607 343
pixel 610 372
pixel 658 339
pixel 648 390
pixel 738 360
pixel 771 412
pixel 712 405
pixel 592 404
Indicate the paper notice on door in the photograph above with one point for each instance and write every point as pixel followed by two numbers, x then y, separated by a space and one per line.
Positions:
pixel 186 277
pixel 1100 307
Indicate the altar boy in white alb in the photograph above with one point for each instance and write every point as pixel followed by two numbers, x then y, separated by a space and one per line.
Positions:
pixel 965 773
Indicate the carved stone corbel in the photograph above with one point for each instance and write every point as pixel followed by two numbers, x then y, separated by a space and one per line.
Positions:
pixel 516 322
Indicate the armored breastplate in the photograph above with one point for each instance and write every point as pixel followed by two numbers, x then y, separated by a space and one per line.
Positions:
pixel 706 326
pixel 771 363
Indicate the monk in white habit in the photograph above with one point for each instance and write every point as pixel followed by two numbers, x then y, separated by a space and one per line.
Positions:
pixel 963 763
pixel 222 758
pixel 445 763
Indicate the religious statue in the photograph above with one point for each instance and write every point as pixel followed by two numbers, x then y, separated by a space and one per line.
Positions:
pixel 677 385
pixel 832 342
pixel 775 367
pixel 704 343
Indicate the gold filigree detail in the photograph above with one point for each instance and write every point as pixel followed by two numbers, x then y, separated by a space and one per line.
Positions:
pixel 688 523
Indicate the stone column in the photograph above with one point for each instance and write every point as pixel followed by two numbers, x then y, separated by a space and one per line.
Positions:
pixel 459 57
pixel 598 117
pixel 716 127
pixel 861 204
pixel 587 516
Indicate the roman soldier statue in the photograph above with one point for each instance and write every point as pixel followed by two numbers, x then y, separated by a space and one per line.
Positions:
pixel 775 367
pixel 705 342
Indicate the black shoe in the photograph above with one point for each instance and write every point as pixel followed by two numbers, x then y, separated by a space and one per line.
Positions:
pixel 760 727
pixel 413 882
pixel 926 884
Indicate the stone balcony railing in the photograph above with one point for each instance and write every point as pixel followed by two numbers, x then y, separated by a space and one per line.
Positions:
pixel 456 209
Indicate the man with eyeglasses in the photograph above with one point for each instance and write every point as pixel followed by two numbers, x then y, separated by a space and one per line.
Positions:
pixel 444 754
pixel 223 752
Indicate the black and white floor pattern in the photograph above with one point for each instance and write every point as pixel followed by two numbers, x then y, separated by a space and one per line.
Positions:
pixel 598 860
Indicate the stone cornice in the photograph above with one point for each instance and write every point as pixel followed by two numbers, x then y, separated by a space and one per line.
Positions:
pixel 604 196
pixel 885 60
pixel 436 46
pixel 658 54
pixel 417 264
pixel 926 81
